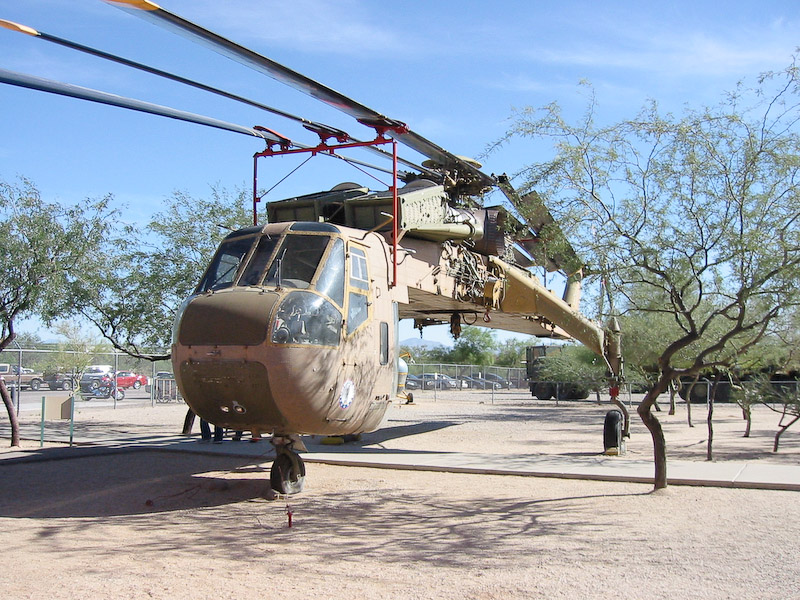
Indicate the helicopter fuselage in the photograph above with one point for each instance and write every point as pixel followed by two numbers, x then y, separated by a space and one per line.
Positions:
pixel 292 330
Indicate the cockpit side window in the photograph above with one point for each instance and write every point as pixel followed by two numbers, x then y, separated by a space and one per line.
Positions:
pixel 331 277
pixel 297 260
pixel 254 270
pixel 223 269
pixel 358 300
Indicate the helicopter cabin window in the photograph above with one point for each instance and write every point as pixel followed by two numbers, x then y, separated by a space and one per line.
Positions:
pixel 223 269
pixel 254 270
pixel 358 269
pixel 331 277
pixel 357 312
pixel 297 260
pixel 357 302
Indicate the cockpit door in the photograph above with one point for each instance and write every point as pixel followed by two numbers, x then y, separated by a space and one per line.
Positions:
pixel 361 345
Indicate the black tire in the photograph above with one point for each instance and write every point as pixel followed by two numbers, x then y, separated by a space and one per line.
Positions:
pixel 137 384
pixel 288 473
pixel 612 430
pixel 66 386
pixel 35 385
pixel 544 391
pixel 94 384
pixel 571 391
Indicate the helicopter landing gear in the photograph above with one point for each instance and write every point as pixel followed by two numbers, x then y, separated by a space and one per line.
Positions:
pixel 288 472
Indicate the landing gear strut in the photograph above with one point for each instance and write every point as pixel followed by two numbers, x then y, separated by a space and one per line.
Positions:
pixel 288 472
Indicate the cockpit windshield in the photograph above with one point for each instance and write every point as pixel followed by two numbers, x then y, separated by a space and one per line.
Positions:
pixel 255 267
pixel 225 265
pixel 289 261
pixel 297 260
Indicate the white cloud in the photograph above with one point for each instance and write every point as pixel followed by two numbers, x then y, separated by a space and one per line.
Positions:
pixel 342 27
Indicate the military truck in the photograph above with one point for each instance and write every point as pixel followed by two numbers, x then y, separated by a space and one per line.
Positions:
pixel 544 389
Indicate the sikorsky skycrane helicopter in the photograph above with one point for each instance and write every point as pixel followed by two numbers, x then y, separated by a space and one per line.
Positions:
pixel 292 329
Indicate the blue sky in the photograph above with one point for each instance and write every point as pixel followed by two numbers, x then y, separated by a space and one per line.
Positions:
pixel 453 71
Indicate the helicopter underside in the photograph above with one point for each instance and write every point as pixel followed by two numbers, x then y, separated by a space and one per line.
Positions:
pixel 427 307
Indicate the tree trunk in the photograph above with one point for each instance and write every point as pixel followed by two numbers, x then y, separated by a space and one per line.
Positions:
pixel 657 433
pixel 748 417
pixel 673 391
pixel 12 414
pixel 689 400
pixel 709 445
pixel 781 429
pixel 711 397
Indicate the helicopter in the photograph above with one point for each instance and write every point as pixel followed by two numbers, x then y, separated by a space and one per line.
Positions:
pixel 292 329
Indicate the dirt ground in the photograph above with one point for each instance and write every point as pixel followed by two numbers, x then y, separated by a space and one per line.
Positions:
pixel 149 524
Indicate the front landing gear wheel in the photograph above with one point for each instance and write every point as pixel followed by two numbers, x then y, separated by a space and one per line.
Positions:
pixel 288 472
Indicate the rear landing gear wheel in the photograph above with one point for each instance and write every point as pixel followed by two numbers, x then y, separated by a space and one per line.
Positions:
pixel 288 472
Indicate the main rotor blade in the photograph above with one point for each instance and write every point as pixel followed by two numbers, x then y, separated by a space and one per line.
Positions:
pixel 397 129
pixel 82 93
pixel 75 91
pixel 165 74
pixel 321 129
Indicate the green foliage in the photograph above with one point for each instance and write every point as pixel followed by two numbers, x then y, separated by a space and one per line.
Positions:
pixel 76 351
pixel 572 364
pixel 511 353
pixel 134 297
pixel 46 248
pixel 475 346
pixel 694 221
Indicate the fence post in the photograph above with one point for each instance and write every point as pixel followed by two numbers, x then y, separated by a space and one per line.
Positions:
pixel 41 427
pixel 71 418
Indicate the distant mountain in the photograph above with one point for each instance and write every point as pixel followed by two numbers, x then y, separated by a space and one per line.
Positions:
pixel 420 343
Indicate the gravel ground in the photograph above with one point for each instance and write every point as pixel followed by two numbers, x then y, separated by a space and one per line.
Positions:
pixel 146 524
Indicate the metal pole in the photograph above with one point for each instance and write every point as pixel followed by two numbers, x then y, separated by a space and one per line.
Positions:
pixel 255 191
pixel 41 428
pixel 114 379
pixel 395 210
pixel 71 418
pixel 152 385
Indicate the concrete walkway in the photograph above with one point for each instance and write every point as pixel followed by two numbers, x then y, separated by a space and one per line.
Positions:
pixel 754 474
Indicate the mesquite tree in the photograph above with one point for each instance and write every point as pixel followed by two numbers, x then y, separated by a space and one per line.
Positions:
pixel 46 248
pixel 702 211
pixel 145 275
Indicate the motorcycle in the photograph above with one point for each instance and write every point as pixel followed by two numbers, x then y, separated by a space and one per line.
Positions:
pixel 106 388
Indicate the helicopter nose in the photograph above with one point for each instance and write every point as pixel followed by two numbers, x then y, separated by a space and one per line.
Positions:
pixel 234 317
pixel 217 358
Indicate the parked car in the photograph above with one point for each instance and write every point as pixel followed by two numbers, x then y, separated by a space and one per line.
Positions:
pixel 413 382
pixel 92 375
pixel 129 379
pixel 504 383
pixel 439 382
pixel 58 381
pixel 478 383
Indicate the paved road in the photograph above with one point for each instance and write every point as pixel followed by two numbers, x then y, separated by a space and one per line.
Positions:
pixel 30 401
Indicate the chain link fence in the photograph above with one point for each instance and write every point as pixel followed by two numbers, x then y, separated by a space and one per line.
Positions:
pixel 56 369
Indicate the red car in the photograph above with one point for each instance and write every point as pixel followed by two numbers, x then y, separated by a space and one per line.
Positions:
pixel 129 379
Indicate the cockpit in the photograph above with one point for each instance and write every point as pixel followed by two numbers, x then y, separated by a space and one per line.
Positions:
pixel 308 259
